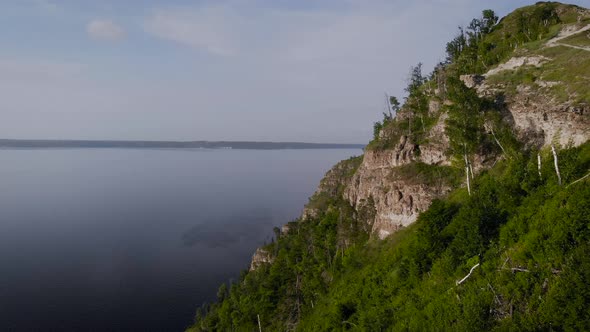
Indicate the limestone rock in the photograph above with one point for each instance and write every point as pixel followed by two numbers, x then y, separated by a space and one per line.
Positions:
pixel 260 257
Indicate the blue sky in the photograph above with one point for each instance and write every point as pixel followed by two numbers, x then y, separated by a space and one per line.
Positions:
pixel 219 70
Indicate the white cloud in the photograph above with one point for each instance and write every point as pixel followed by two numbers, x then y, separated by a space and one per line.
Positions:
pixel 105 29
pixel 206 28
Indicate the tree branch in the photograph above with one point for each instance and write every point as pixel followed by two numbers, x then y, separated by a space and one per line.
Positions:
pixel 498 142
pixel 459 282
pixel 578 180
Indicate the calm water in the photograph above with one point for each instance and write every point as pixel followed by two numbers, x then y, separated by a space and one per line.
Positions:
pixel 135 240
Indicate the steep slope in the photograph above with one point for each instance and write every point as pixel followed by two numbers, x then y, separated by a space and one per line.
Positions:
pixel 540 90
pixel 468 209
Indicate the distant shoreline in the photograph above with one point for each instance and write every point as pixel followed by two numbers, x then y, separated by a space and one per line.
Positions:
pixel 234 145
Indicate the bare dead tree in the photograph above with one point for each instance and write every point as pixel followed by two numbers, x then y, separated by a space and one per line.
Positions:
pixel 498 302
pixel 388 106
pixel 467 174
pixel 556 164
pixel 578 180
pixel 539 165
pixel 498 142
pixel 459 282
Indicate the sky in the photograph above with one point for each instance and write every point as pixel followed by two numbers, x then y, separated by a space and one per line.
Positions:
pixel 265 70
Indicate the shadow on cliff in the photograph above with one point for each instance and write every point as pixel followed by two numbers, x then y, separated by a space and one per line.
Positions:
pixel 532 136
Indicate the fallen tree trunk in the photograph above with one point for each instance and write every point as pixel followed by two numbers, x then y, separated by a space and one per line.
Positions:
pixel 459 282
pixel 578 180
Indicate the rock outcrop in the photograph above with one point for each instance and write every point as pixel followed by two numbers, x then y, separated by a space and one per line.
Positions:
pixel 541 120
pixel 260 257
pixel 538 118
pixel 332 185
pixel 397 195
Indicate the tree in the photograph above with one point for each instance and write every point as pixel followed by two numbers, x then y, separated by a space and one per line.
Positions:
pixel 394 105
pixel 489 19
pixel 465 123
pixel 222 292
pixel 416 79
pixel 377 126
pixel 416 102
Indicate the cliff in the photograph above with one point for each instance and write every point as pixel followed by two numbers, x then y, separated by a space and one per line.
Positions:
pixel 469 209
pixel 536 110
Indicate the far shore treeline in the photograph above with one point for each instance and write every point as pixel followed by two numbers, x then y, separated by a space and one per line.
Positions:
pixel 243 145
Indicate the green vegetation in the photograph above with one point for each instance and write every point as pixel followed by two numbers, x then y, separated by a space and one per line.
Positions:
pixel 430 175
pixel 413 119
pixel 529 235
pixel 579 39
pixel 484 44
pixel 307 260
pixel 570 67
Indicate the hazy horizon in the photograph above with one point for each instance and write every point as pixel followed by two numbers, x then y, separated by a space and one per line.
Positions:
pixel 255 70
pixel 163 140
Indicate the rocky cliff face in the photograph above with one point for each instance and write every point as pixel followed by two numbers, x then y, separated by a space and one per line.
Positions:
pixel 332 185
pixel 543 120
pixel 398 197
pixel 539 118
pixel 400 180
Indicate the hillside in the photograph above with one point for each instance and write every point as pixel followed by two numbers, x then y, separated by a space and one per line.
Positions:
pixel 469 209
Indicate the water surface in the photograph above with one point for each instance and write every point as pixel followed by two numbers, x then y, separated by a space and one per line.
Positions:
pixel 135 240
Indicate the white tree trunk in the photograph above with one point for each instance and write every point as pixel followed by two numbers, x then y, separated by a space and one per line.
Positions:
pixel 259 326
pixel 498 142
pixel 539 165
pixel 556 164
pixel 459 282
pixel 578 180
pixel 467 174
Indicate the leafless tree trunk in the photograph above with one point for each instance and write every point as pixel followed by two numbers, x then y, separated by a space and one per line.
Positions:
pixel 539 165
pixel 578 180
pixel 498 302
pixel 297 286
pixel 388 106
pixel 259 326
pixel 422 120
pixel 556 164
pixel 459 282
pixel 498 142
pixel 467 174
